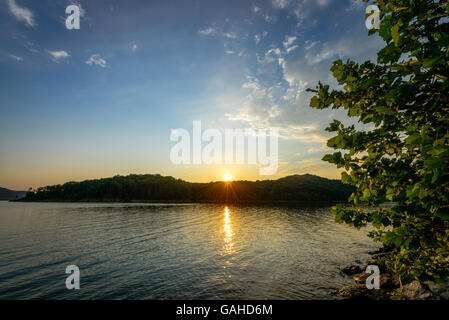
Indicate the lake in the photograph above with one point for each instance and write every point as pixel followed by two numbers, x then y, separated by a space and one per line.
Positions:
pixel 174 251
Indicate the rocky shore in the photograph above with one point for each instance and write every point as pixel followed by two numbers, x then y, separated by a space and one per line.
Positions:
pixel 389 284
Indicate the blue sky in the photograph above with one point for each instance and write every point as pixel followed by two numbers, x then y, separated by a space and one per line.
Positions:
pixel 100 101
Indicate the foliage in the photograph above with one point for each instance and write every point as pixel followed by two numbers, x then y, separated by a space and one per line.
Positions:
pixel 402 155
pixel 158 188
pixel 397 294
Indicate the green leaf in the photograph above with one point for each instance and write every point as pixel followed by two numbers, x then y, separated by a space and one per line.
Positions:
pixel 434 163
pixel 428 63
pixel 443 214
pixel 395 34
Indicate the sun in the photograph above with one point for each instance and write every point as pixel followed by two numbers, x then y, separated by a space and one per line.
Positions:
pixel 227 177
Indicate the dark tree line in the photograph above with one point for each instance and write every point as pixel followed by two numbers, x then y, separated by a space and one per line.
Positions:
pixel 159 188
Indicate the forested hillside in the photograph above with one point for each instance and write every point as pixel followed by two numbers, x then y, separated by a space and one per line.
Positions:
pixel 159 188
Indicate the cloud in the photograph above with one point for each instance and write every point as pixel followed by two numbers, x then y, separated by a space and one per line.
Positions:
pixel 207 31
pixel 280 3
pixel 134 47
pixel 17 58
pixel 58 55
pixel 356 5
pixel 258 36
pixel 288 41
pixel 323 148
pixel 310 44
pixel 22 13
pixel 284 103
pixel 358 48
pixel 288 44
pixel 210 31
pixel 323 3
pixel 78 4
pixel 230 35
pixel 291 48
pixel 97 60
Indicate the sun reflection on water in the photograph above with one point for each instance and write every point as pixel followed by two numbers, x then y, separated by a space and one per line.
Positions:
pixel 228 233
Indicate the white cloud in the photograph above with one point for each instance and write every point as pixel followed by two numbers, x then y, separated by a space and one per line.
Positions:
pixel 323 3
pixel 323 148
pixel 288 44
pixel 285 104
pixel 58 55
pixel 97 60
pixel 356 5
pixel 291 48
pixel 280 3
pixel 22 13
pixel 355 47
pixel 230 35
pixel 310 44
pixel 207 31
pixel 78 4
pixel 258 36
pixel 17 58
pixel 134 47
pixel 229 52
pixel 272 55
pixel 288 41
pixel 268 18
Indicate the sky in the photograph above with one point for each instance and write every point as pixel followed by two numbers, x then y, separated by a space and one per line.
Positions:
pixel 103 100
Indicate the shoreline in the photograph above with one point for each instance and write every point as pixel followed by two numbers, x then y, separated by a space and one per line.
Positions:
pixel 241 202
pixel 389 283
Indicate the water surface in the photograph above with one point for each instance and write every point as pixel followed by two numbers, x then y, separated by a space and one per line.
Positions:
pixel 160 251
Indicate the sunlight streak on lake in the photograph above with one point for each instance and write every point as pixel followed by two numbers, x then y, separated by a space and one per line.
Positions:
pixel 228 233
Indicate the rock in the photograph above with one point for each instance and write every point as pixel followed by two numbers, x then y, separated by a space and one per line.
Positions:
pixel 445 295
pixel 378 250
pixel 360 292
pixel 416 291
pixel 351 270
pixel 434 287
pixel 362 278
pixel 358 261
pixel 377 255
pixel 439 291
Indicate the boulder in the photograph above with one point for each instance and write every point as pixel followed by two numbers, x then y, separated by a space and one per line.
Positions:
pixel 439 291
pixel 351 270
pixel 416 291
pixel 360 292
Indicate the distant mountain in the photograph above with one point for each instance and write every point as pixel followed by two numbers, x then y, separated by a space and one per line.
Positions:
pixel 297 188
pixel 6 194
